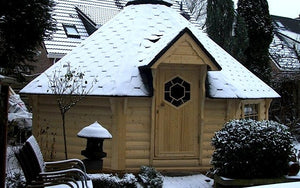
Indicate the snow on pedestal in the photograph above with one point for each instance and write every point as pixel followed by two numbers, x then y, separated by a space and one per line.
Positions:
pixel 94 130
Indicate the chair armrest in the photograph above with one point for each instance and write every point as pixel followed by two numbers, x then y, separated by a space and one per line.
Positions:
pixel 69 173
pixel 65 164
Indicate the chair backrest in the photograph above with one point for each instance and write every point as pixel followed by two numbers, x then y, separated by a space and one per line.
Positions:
pixel 33 144
pixel 28 163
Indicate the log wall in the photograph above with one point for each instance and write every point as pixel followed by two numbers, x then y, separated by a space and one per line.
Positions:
pixel 47 126
pixel 130 122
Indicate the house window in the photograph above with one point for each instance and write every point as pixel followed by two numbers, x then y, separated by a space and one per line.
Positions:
pixel 251 111
pixel 177 91
pixel 71 31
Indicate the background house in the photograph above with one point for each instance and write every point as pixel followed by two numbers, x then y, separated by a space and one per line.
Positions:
pixel 162 89
pixel 285 48
pixel 285 57
pixel 77 20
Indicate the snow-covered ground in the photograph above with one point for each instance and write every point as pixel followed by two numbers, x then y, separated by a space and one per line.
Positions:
pixel 192 181
pixel 280 185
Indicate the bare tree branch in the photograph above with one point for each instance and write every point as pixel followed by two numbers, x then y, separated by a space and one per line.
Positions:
pixel 69 89
pixel 198 10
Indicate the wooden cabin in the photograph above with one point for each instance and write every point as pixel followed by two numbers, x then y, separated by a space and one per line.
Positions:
pixel 162 89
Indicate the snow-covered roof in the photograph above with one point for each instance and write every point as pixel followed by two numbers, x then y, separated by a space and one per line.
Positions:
pixel 283 55
pixel 65 13
pixel 98 11
pixel 113 54
pixel 98 14
pixel 286 43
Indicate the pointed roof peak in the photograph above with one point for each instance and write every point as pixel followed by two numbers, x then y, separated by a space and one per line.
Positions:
pixel 139 2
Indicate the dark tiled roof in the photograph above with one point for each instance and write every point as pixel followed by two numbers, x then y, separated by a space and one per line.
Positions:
pixel 286 43
pixel 290 24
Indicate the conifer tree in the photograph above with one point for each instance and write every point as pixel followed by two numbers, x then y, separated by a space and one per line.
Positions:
pixel 240 41
pixel 23 26
pixel 219 21
pixel 259 29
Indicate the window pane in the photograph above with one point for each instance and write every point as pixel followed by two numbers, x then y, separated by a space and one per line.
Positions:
pixel 251 111
pixel 71 31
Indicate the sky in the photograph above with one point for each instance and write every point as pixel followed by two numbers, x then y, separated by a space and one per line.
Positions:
pixel 285 8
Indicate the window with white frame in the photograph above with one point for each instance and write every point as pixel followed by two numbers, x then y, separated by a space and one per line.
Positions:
pixel 250 111
pixel 71 30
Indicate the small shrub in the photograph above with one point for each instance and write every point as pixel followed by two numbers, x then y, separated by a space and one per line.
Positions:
pixel 14 174
pixel 16 180
pixel 150 177
pixel 252 149
pixel 113 181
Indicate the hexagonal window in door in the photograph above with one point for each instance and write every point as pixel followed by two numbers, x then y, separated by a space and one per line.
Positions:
pixel 177 91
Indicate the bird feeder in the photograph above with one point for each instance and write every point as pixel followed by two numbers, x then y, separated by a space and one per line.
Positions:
pixel 95 135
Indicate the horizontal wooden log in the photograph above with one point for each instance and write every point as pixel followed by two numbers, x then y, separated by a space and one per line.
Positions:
pixel 137 145
pixel 211 128
pixel 207 153
pixel 185 50
pixel 207 146
pixel 133 163
pixel 95 101
pixel 138 137
pixel 132 112
pixel 177 163
pixel 206 137
pixel 137 154
pixel 144 102
pixel 137 128
pixel 206 162
pixel 179 59
pixel 78 110
pixel 138 120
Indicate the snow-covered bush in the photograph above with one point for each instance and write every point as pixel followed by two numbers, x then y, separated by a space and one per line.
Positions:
pixel 252 149
pixel 14 174
pixel 113 181
pixel 150 177
pixel 15 180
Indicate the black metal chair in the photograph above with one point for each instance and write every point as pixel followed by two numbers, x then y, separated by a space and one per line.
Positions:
pixel 38 175
pixel 55 165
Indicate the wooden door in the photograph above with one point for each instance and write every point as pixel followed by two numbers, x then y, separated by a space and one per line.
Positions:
pixel 177 112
